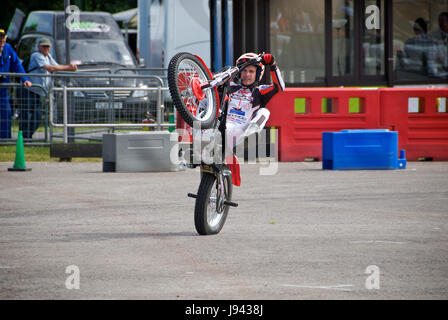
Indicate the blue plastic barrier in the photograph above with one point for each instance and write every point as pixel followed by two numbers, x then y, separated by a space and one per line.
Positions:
pixel 361 150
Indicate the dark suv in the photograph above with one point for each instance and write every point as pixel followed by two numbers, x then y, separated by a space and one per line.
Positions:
pixel 96 44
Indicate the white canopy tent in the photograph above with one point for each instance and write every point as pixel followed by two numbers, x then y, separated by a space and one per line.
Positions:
pixel 128 17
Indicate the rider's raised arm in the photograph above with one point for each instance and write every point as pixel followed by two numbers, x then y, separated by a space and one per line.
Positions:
pixel 277 78
pixel 269 91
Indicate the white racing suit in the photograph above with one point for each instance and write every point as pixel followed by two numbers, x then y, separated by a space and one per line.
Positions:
pixel 247 113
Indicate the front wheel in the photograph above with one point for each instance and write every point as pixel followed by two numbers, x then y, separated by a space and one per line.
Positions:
pixel 185 74
pixel 210 211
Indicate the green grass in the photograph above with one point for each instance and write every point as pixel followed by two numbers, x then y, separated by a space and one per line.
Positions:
pixel 15 128
pixel 36 154
pixel 8 153
pixel 42 153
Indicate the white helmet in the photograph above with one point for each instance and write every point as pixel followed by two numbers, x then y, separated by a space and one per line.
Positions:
pixel 249 56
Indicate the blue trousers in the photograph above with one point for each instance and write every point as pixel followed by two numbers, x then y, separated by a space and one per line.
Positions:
pixel 30 112
pixel 5 114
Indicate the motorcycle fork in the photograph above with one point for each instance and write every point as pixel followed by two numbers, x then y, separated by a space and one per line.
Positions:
pixel 220 171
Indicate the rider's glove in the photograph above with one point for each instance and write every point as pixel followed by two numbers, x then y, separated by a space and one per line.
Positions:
pixel 268 59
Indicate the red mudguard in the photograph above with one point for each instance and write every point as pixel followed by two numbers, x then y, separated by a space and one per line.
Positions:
pixel 234 167
pixel 211 76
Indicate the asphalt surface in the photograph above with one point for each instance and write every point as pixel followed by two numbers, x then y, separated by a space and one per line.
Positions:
pixel 302 233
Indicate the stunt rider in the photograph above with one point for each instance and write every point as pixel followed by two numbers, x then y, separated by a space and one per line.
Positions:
pixel 248 99
pixel 247 112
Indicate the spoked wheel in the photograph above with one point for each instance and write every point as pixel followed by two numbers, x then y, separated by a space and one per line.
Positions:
pixel 210 211
pixel 186 73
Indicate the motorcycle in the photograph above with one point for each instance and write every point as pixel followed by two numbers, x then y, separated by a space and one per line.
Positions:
pixel 194 91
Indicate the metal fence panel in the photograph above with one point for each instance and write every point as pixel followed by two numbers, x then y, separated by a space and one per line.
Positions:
pixel 86 100
pixel 22 109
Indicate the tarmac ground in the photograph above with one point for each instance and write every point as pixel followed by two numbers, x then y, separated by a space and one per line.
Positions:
pixel 71 231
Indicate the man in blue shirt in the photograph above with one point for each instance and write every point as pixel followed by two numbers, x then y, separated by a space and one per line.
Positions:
pixel 41 62
pixel 8 60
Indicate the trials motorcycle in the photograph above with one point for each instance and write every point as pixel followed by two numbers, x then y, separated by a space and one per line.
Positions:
pixel 200 99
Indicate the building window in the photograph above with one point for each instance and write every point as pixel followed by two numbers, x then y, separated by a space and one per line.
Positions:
pixel 343 37
pixel 420 44
pixel 297 39
pixel 373 40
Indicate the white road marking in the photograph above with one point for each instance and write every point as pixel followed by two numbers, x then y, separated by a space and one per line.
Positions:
pixel 378 241
pixel 343 287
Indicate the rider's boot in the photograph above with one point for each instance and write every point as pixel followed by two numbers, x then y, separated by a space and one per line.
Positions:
pixel 256 124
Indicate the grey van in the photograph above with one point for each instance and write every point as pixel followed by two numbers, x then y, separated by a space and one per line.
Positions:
pixel 96 43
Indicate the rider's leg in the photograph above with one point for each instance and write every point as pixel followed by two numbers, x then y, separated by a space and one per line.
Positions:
pixel 233 132
pixel 258 122
pixel 255 125
pixel 211 146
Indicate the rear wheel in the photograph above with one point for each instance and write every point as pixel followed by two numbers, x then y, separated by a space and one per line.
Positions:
pixel 185 74
pixel 210 211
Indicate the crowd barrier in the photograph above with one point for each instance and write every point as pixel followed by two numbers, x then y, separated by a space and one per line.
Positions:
pixel 77 107
pixel 418 114
pixel 24 110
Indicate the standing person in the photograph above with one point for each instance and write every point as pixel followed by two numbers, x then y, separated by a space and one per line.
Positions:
pixel 8 60
pixel 442 33
pixel 441 36
pixel 41 61
pixel 421 49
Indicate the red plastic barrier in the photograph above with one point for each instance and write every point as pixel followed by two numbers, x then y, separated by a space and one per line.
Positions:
pixel 300 117
pixel 300 134
pixel 420 119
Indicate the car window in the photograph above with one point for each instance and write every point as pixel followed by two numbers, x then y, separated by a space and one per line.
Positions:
pixel 90 26
pixel 26 47
pixel 97 51
pixel 40 22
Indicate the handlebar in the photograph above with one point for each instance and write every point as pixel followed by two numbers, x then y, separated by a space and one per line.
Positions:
pixel 231 73
pixel 222 77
